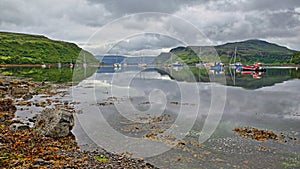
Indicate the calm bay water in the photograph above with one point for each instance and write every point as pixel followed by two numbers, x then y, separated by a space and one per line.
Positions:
pixel 270 101
pixel 124 110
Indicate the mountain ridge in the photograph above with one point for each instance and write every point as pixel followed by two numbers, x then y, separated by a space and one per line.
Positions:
pixel 248 51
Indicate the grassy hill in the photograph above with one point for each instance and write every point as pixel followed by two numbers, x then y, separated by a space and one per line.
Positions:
pixel 256 50
pixel 16 48
pixel 248 51
pixel 296 58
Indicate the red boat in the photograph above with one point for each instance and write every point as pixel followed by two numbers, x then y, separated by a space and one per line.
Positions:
pixel 255 67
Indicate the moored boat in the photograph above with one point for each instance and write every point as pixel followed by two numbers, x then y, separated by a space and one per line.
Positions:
pixel 255 67
pixel 142 65
pixel 117 65
pixel 217 66
pixel 177 64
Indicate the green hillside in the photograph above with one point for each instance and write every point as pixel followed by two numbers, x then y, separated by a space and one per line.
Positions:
pixel 248 51
pixel 296 58
pixel 16 48
pixel 256 50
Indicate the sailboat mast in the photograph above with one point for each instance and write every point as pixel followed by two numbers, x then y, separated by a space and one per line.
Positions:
pixel 234 55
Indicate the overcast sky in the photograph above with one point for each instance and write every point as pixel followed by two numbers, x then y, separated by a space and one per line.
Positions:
pixel 121 26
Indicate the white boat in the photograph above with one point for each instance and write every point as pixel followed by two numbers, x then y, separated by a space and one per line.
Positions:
pixel 117 65
pixel 142 62
pixel 71 65
pixel 142 65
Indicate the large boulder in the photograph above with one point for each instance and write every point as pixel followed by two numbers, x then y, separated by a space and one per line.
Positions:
pixel 54 123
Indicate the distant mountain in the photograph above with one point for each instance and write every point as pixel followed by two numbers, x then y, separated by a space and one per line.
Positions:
pixel 248 51
pixel 17 48
pixel 131 60
pixel 110 59
pixel 162 58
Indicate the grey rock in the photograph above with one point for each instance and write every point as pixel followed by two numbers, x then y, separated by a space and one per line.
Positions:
pixel 5 83
pixel 5 117
pixel 27 96
pixel 19 90
pixel 32 119
pixel 18 126
pixel 4 88
pixel 36 166
pixel 40 161
pixel 54 123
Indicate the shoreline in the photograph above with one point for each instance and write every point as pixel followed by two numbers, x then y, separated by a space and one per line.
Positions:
pixel 28 148
pixel 40 65
pixel 20 65
pixel 50 65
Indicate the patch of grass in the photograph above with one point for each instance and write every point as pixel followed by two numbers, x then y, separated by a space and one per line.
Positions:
pixel 290 164
pixel 101 159
pixel 20 156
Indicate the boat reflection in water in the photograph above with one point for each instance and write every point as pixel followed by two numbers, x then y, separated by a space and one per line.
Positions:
pixel 217 72
pixel 255 74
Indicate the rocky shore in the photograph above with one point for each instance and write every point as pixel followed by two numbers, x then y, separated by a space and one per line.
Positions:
pixel 46 140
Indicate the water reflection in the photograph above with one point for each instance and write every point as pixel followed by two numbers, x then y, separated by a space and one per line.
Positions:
pixel 52 74
pixel 245 79
pixel 254 74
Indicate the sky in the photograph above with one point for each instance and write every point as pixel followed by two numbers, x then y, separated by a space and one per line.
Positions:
pixel 144 27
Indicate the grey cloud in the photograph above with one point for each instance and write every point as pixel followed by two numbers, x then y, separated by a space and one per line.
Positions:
pixel 221 25
pixel 144 43
pixel 13 12
pixel 251 5
pixel 123 7
pixel 271 4
pixel 71 20
pixel 219 20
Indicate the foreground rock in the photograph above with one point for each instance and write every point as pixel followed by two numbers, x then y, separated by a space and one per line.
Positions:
pixel 262 135
pixel 54 123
